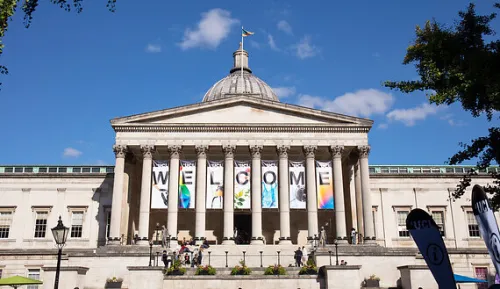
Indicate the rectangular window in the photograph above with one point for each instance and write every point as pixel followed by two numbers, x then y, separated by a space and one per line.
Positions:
pixel 481 273
pixel 108 223
pixel 33 274
pixel 472 225
pixel 402 231
pixel 76 224
pixel 438 217
pixel 374 216
pixel 41 224
pixel 5 223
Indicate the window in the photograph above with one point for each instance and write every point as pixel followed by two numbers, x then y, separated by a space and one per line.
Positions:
pixel 33 274
pixel 108 223
pixel 41 224
pixel 374 217
pixel 5 223
pixel 472 225
pixel 402 231
pixel 481 273
pixel 438 217
pixel 76 224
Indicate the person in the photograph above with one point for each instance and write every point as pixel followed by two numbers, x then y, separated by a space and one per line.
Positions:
pixel 199 258
pixel 165 259
pixel 342 262
pixel 164 237
pixel 353 236
pixel 304 254
pixel 298 257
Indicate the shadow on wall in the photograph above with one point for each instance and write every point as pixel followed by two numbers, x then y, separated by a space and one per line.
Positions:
pixel 102 196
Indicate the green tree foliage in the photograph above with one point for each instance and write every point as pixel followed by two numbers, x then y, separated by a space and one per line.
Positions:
pixel 458 64
pixel 8 9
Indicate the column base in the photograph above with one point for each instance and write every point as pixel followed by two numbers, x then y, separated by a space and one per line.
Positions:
pixel 114 242
pixel 257 242
pixel 370 241
pixel 228 242
pixel 143 242
pixel 285 242
pixel 343 241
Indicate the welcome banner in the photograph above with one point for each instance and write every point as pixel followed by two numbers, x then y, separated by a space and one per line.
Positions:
pixel 159 189
pixel 187 184
pixel 269 184
pixel 324 185
pixel 215 185
pixel 242 185
pixel 297 177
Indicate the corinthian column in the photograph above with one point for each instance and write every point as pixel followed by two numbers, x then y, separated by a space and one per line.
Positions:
pixel 284 195
pixel 256 195
pixel 145 200
pixel 116 205
pixel 338 184
pixel 228 194
pixel 312 199
pixel 359 199
pixel 364 151
pixel 173 193
pixel 201 185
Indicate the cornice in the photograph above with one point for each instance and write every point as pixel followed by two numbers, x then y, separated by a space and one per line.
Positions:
pixel 250 128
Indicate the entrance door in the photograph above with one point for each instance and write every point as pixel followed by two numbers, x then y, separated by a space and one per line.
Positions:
pixel 243 223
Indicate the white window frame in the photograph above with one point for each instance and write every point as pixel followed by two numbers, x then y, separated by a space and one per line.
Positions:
pixel 374 215
pixel 11 211
pixel 467 211
pixel 401 227
pixel 77 209
pixel 442 210
pixel 36 210
pixel 36 270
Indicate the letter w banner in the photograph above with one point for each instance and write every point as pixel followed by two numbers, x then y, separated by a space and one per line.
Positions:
pixel 426 235
pixel 159 189
pixel 488 227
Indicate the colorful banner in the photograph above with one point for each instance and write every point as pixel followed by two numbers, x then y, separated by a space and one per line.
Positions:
pixel 159 189
pixel 215 185
pixel 187 184
pixel 324 185
pixel 269 184
pixel 297 176
pixel 242 184
pixel 487 222
pixel 426 235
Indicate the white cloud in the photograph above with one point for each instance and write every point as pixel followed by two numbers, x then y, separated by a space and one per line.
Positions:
pixel 284 91
pixel 410 116
pixel 255 44
pixel 383 126
pixel 285 27
pixel 71 152
pixel 451 121
pixel 213 27
pixel 304 49
pixel 153 48
pixel 272 44
pixel 363 103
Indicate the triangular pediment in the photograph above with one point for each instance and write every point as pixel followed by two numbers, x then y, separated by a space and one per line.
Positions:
pixel 242 110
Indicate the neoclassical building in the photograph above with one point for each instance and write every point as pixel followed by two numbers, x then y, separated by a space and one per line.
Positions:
pixel 252 176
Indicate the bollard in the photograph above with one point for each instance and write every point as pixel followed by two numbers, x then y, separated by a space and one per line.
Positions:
pixel 330 253
pixel 244 257
pixel 278 258
pixel 260 258
pixel 226 258
pixel 209 252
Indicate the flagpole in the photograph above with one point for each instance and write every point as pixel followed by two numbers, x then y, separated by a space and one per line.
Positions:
pixel 241 57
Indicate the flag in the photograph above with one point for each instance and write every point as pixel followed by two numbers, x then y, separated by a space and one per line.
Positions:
pixel 487 222
pixel 245 33
pixel 426 235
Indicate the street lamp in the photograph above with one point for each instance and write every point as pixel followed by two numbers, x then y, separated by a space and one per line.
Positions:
pixel 150 252
pixel 60 233
pixel 336 253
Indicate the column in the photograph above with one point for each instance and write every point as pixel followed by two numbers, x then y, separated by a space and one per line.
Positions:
pixel 173 193
pixel 338 184
pixel 116 205
pixel 364 151
pixel 228 194
pixel 256 195
pixel 201 185
pixel 312 199
pixel 359 199
pixel 145 199
pixel 284 195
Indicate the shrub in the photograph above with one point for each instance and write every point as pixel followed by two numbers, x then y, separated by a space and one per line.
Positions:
pixel 241 269
pixel 114 280
pixel 374 277
pixel 176 269
pixel 308 270
pixel 275 270
pixel 205 270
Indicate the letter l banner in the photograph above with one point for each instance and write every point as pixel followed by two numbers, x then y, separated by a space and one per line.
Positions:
pixel 487 222
pixel 426 235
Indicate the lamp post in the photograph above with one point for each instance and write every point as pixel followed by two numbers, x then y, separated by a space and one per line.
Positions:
pixel 330 253
pixel 150 252
pixel 209 252
pixel 60 233
pixel 260 258
pixel 336 253
pixel 278 257
pixel 226 257
pixel 244 257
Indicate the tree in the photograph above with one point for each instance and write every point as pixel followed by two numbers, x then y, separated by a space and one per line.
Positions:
pixel 457 64
pixel 8 9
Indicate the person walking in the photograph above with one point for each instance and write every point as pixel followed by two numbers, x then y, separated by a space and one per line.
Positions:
pixel 298 257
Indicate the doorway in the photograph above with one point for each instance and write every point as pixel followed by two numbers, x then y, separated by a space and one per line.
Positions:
pixel 243 223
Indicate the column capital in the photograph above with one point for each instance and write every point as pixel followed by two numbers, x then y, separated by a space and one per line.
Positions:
pixel 256 150
pixel 201 150
pixel 310 151
pixel 336 151
pixel 147 151
pixel 229 150
pixel 283 150
pixel 120 151
pixel 363 151
pixel 175 151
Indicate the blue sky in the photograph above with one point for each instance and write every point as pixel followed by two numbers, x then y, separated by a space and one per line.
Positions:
pixel 70 74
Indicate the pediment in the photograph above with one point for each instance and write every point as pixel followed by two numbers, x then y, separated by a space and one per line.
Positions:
pixel 241 111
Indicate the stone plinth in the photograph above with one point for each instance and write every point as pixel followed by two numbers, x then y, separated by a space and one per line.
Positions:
pixel 69 277
pixel 342 277
pixel 414 276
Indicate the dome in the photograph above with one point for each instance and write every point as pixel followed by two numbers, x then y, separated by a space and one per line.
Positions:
pixel 240 81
